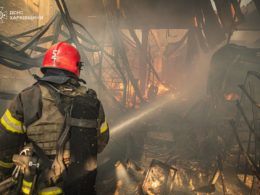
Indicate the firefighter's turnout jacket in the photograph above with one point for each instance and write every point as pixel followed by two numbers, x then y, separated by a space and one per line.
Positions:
pixel 40 114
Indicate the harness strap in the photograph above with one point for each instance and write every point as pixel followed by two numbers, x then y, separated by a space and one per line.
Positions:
pixel 84 123
pixel 99 120
pixel 61 143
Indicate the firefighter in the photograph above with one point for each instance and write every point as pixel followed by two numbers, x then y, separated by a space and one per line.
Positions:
pixel 63 121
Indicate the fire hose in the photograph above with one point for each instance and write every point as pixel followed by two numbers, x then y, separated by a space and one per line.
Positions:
pixel 6 184
pixel 22 161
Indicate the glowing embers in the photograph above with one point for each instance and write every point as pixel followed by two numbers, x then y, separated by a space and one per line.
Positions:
pixel 248 180
pixel 162 89
pixel 126 183
pixel 121 172
pixel 232 96
pixel 156 90
pixel 159 179
pixel 133 179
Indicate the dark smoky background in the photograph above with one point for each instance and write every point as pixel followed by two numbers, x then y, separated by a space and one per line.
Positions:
pixel 186 58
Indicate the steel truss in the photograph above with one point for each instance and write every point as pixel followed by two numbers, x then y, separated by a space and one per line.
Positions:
pixel 247 123
pixel 25 50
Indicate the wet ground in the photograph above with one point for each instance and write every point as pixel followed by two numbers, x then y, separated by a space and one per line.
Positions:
pixel 182 134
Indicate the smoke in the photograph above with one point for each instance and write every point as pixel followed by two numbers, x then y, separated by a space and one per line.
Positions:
pixel 195 82
pixel 142 114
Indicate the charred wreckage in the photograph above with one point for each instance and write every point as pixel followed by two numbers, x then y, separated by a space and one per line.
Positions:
pixel 214 144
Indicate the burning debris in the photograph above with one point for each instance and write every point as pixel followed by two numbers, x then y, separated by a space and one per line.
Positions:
pixel 133 179
pixel 159 179
pixel 147 61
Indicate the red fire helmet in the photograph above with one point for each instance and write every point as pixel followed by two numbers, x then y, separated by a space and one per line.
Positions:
pixel 62 56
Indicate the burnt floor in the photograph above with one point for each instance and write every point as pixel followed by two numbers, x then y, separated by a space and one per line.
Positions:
pixel 185 134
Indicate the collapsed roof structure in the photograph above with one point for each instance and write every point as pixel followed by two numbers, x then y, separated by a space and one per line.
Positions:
pixel 123 65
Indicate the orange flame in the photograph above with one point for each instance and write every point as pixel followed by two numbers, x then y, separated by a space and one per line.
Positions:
pixel 231 96
pixel 162 89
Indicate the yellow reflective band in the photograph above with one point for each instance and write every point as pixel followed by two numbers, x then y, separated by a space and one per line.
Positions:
pixel 12 119
pixel 26 190
pixel 6 165
pixel 104 127
pixel 9 127
pixel 51 191
pixel 27 183
pixel 10 123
